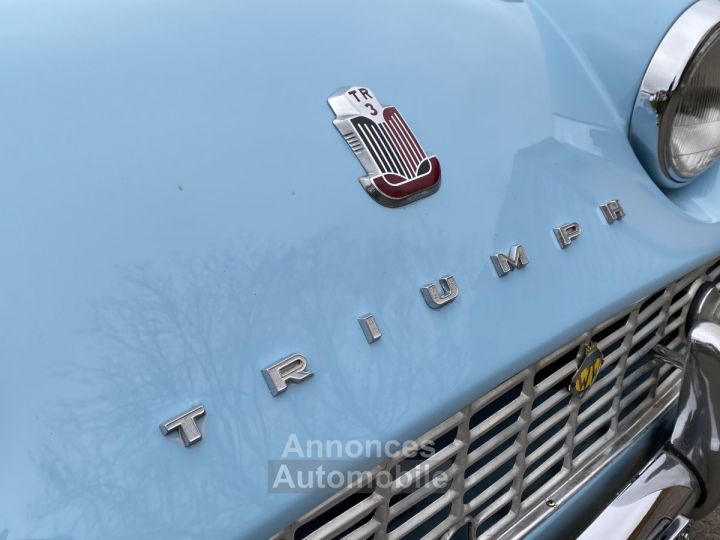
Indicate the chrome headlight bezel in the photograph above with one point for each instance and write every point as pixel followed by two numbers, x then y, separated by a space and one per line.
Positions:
pixel 652 117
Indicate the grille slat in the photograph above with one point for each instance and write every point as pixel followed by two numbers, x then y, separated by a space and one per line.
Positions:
pixel 488 398
pixel 550 423
pixel 599 404
pixel 366 531
pixel 549 403
pixel 427 466
pixel 511 448
pixel 484 471
pixel 493 443
pixel 498 417
pixel 615 355
pixel 552 460
pixel 674 325
pixel 493 490
pixel 590 452
pixel 640 373
pixel 558 437
pixel 347 518
pixel 564 372
pixel 616 336
pixel 647 330
pixel 499 526
pixel 604 379
pixel 422 516
pixel 582 436
pixel 637 392
pixel 419 495
pixel 497 505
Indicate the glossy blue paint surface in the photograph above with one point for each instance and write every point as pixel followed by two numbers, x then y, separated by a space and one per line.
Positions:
pixel 177 212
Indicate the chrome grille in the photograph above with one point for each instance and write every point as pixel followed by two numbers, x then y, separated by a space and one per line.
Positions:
pixel 509 450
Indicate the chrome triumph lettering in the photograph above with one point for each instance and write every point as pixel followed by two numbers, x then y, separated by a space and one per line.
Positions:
pixel 565 234
pixel 612 211
pixel 504 264
pixel 186 425
pixel 436 300
pixel 291 369
pixel 370 328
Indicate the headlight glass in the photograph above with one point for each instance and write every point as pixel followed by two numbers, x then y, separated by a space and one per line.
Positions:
pixel 694 133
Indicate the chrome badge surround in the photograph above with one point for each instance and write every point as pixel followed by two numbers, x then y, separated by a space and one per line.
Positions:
pixel 398 170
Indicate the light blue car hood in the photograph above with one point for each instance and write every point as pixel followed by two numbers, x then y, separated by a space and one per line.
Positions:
pixel 177 212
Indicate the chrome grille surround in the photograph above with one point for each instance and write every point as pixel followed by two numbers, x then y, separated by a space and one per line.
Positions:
pixel 526 440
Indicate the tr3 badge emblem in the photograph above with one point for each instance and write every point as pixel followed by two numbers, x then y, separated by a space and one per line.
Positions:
pixel 398 170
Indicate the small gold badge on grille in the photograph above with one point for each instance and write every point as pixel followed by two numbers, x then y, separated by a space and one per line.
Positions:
pixel 588 371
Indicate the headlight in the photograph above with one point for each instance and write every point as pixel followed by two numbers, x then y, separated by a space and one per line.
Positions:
pixel 675 125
